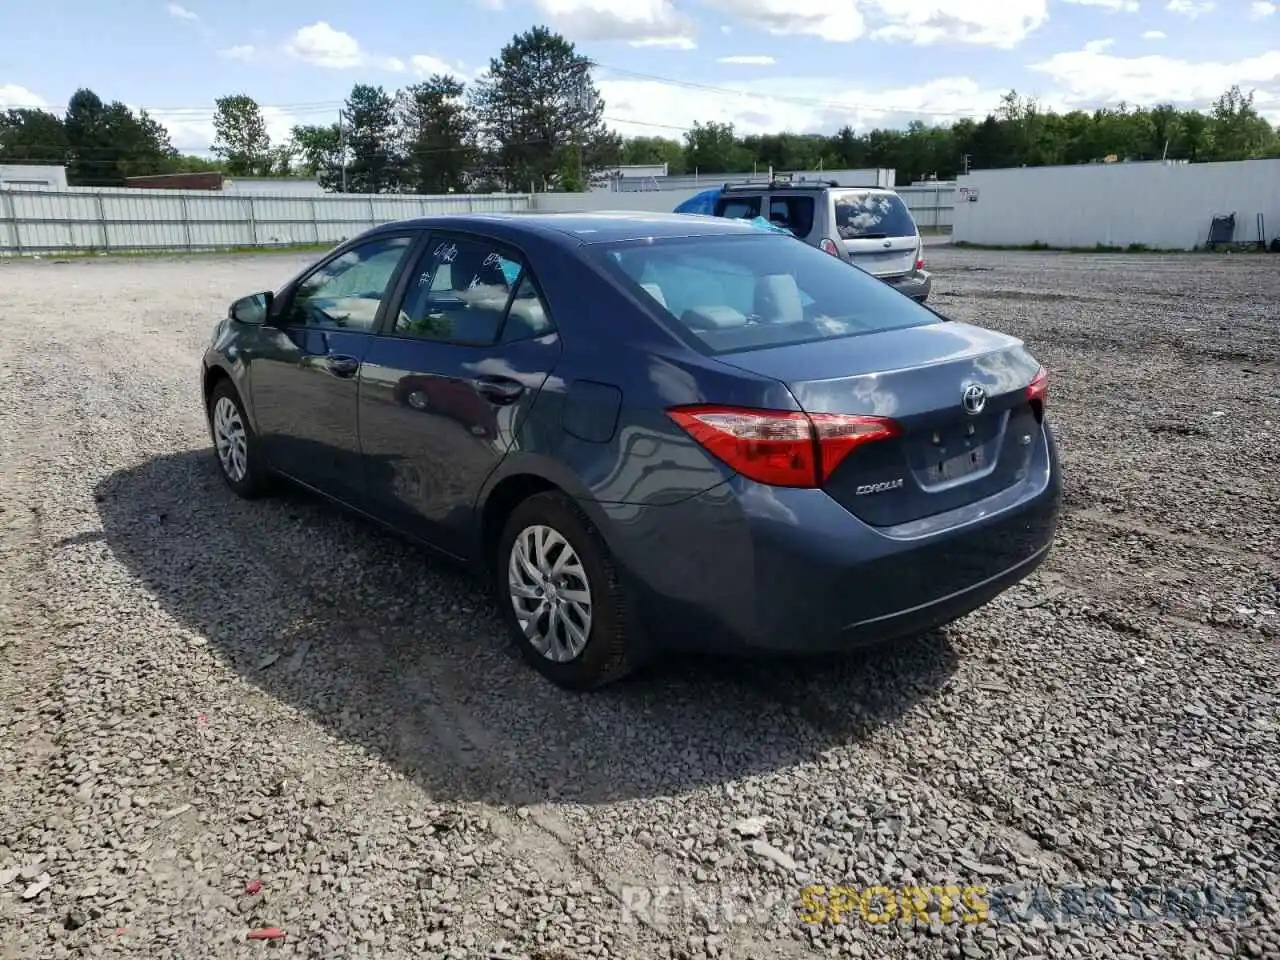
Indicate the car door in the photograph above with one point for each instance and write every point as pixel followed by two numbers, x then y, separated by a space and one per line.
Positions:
pixel 305 383
pixel 446 385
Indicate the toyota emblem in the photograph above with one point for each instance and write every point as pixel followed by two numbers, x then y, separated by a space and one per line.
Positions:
pixel 974 399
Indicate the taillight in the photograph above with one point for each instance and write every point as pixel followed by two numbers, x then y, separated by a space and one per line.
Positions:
pixel 1038 390
pixel 829 246
pixel 920 256
pixel 780 448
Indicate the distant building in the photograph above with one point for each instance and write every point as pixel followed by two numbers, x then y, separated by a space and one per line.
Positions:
pixel 176 181
pixel 32 176
pixel 274 186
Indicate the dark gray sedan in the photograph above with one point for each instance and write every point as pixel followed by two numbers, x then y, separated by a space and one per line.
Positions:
pixel 647 432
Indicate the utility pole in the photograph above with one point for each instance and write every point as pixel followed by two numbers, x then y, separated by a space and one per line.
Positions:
pixel 342 147
pixel 965 161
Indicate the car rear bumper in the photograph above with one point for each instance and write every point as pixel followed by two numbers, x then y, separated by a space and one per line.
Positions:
pixel 917 286
pixel 745 567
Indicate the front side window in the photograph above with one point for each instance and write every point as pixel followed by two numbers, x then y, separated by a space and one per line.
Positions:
pixel 346 292
pixel 742 293
pixel 865 215
pixel 458 292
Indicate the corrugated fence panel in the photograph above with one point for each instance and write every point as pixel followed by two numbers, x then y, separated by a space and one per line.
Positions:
pixel 46 221
pixel 282 220
pixel 140 221
pixel 214 221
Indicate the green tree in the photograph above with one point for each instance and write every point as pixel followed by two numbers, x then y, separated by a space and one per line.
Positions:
pixel 317 149
pixel 240 136
pixel 108 142
pixel 714 148
pixel 439 136
pixel 538 114
pixel 32 136
pixel 653 150
pixel 374 161
pixel 1238 132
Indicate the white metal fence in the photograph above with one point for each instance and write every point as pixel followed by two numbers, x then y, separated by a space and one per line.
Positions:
pixel 131 220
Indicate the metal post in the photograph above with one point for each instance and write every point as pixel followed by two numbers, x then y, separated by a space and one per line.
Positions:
pixel 373 219
pixel 8 208
pixel 102 222
pixel 342 148
pixel 253 223
pixel 186 219
pixel 315 221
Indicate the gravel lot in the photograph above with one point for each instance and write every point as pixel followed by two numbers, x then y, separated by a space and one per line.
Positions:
pixel 200 696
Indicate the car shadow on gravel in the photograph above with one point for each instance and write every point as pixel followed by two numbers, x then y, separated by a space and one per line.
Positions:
pixel 404 657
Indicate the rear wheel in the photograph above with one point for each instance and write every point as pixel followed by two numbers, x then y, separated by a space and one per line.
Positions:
pixel 235 443
pixel 561 595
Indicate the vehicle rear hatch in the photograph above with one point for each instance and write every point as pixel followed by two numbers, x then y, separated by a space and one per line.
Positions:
pixel 877 231
pixel 945 456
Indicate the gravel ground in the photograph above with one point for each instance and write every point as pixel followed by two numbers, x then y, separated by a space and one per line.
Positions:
pixel 219 717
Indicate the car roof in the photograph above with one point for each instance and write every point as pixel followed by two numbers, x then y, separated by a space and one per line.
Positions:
pixel 581 228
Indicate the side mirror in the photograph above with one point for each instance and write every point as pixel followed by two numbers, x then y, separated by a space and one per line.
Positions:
pixel 252 309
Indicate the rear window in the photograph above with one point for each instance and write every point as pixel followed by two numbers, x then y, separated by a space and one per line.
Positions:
pixel 861 215
pixel 742 293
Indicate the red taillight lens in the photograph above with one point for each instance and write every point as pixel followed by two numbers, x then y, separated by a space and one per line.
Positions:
pixel 829 246
pixel 780 448
pixel 920 257
pixel 1038 390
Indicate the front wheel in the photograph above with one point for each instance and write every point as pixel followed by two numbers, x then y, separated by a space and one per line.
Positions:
pixel 235 443
pixel 561 596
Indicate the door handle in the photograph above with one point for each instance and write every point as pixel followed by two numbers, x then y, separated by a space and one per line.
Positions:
pixel 499 390
pixel 341 365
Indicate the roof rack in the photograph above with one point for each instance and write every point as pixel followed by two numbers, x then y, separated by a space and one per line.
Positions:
pixel 781 184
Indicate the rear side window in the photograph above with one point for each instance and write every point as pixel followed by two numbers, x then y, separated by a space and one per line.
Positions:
pixel 871 216
pixel 738 208
pixel 742 293
pixel 794 213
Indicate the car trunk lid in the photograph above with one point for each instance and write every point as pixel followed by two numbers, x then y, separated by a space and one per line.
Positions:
pixel 948 452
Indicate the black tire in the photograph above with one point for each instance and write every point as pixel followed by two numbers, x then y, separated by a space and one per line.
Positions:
pixel 614 646
pixel 256 481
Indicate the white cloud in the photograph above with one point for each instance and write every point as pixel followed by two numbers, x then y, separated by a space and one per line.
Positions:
pixel 426 66
pixel 1262 8
pixel 1115 6
pixel 1098 46
pixel 642 23
pixel 321 45
pixel 799 104
pixel 1155 35
pixel 1088 78
pixel 15 97
pixel 394 64
pixel 835 20
pixel 180 12
pixel 749 60
pixel 193 132
pixel 1190 8
pixel 1002 23
pixel 241 51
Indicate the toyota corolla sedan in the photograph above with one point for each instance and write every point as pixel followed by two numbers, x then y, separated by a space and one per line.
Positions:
pixel 647 432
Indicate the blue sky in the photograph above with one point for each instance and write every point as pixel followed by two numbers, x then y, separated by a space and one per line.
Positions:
pixel 760 64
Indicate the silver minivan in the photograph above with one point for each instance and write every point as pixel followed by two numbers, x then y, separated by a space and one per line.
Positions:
pixel 869 227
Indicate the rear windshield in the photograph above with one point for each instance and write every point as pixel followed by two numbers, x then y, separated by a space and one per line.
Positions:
pixel 861 215
pixel 742 293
